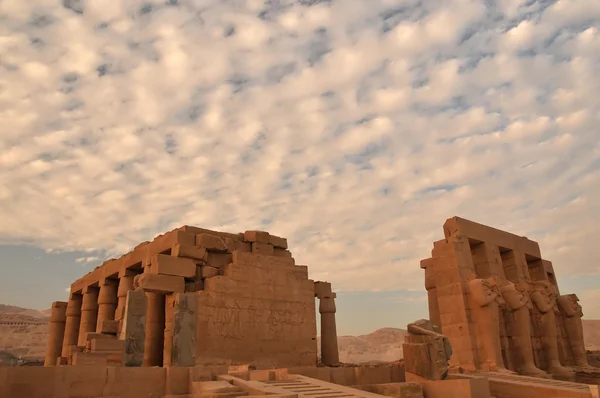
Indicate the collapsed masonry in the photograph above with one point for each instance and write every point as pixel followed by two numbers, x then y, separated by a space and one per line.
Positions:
pixel 196 297
pixel 498 301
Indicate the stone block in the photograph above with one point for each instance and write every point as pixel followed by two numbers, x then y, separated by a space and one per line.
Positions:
pixel 170 265
pixel 372 375
pixel 209 272
pixel 254 260
pixel 211 387
pixel 256 236
pixel 133 330
pixel 396 390
pixel 212 243
pixel 245 247
pixel 262 248
pixel 323 289
pixel 276 241
pixel 97 336
pixel 344 376
pixel 160 283
pixel 231 245
pixel 177 380
pixel 109 326
pixel 218 260
pixel 465 388
pixel 102 345
pixel 143 382
pixel 282 253
pixel 165 242
pixel 89 359
pixel 193 252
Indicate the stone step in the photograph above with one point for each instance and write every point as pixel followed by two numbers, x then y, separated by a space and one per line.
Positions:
pixel 215 389
pixel 221 394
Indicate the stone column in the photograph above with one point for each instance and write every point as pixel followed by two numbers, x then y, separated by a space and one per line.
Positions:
pixel 133 329
pixel 572 313
pixel 155 328
pixel 72 324
pixel 107 302
pixel 168 334
pixel 544 303
pixel 329 343
pixel 56 332
pixel 89 313
pixel 485 300
pixel 518 324
pixel 432 294
pixel 125 285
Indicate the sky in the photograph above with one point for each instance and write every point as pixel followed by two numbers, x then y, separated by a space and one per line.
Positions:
pixel 353 128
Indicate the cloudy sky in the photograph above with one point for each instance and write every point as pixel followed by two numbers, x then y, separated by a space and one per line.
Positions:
pixel 352 127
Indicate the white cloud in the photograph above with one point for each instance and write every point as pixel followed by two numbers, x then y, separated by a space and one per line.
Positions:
pixel 353 128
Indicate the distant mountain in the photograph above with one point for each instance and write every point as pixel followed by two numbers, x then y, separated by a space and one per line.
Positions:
pixel 10 309
pixel 23 333
pixel 383 345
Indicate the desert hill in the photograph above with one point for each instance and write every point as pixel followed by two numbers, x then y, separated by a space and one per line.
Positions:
pixel 23 333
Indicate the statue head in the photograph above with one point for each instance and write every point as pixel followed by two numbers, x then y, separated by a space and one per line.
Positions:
pixel 515 296
pixel 569 305
pixel 484 291
pixel 542 296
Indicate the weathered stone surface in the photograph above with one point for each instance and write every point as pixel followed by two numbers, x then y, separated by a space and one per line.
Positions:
pixel 277 242
pixel 184 330
pixel 134 328
pixel 108 326
pixel 255 260
pixel 170 265
pixel 209 272
pixel 100 345
pixel 211 243
pixel 218 260
pixel 256 236
pixel 262 248
pixel 282 253
pixel 160 283
pixel 193 252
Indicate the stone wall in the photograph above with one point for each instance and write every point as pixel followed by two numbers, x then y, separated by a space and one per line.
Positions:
pixel 260 311
pixel 144 382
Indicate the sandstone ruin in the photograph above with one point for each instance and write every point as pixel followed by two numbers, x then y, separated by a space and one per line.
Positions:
pixel 200 313
pixel 496 298
pixel 196 297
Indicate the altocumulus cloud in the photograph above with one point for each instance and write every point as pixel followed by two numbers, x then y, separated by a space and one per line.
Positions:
pixel 355 128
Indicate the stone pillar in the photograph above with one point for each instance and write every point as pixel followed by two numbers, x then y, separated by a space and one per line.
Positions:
pixel 485 300
pixel 329 343
pixel 544 303
pixel 518 324
pixel 56 332
pixel 432 294
pixel 125 285
pixel 107 302
pixel 183 350
pixel 155 329
pixel 73 315
pixel 89 313
pixel 572 313
pixel 133 329
pixel 168 334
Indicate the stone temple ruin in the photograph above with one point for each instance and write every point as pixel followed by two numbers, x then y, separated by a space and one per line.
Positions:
pixel 199 313
pixel 196 297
